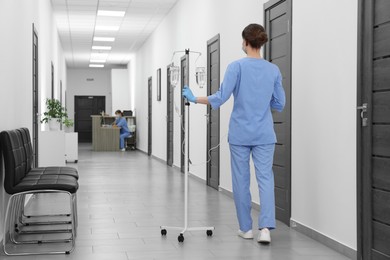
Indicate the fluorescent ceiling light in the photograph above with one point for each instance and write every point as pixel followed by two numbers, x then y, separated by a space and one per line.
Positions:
pixel 106 28
pixel 97 61
pixel 96 65
pixel 111 13
pixel 106 48
pixel 103 39
pixel 99 56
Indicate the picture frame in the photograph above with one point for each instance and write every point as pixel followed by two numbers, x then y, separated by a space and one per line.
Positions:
pixel 159 84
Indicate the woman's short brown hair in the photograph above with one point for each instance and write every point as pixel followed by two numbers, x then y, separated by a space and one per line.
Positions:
pixel 119 112
pixel 255 35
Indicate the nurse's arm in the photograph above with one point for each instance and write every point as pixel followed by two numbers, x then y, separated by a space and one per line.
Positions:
pixel 227 87
pixel 202 100
pixel 278 100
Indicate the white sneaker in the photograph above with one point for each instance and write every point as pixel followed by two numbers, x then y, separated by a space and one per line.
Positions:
pixel 264 236
pixel 245 235
pixel 123 149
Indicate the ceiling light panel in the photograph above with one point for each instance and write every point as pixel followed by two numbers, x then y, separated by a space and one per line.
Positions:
pixel 103 48
pixel 103 39
pixel 96 65
pixel 97 61
pixel 111 13
pixel 78 23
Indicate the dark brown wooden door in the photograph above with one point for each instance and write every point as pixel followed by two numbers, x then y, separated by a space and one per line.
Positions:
pixel 213 131
pixel 374 130
pixel 85 106
pixel 169 118
pixel 184 78
pixel 278 51
pixel 150 85
pixel 35 115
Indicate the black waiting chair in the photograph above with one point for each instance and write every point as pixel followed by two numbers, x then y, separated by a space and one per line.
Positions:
pixel 67 171
pixel 20 180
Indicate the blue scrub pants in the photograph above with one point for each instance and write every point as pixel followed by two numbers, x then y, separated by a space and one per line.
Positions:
pixel 122 140
pixel 262 156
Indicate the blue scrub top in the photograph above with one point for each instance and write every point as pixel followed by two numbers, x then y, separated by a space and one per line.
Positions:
pixel 256 85
pixel 122 123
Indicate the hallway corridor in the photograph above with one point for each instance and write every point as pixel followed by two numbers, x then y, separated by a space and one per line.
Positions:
pixel 125 197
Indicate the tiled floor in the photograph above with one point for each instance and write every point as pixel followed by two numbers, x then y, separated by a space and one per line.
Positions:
pixel 125 196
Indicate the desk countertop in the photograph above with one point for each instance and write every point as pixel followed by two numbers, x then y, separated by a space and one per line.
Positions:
pixel 111 116
pixel 110 127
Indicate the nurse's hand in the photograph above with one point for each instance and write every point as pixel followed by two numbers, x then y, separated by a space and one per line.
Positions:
pixel 187 93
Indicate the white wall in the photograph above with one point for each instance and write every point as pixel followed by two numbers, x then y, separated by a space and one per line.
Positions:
pixel 323 100
pixel 183 29
pixel 324 117
pixel 16 63
pixel 120 90
pixel 50 51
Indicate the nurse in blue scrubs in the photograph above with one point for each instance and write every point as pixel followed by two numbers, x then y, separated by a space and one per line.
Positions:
pixel 121 122
pixel 256 86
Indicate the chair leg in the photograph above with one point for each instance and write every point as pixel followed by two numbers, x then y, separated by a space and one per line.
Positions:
pixel 23 218
pixel 15 210
pixel 44 215
pixel 15 216
pixel 8 228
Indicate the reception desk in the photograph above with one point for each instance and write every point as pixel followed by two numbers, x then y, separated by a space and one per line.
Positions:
pixel 104 136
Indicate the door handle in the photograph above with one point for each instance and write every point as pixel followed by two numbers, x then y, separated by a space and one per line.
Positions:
pixel 363 109
pixel 207 118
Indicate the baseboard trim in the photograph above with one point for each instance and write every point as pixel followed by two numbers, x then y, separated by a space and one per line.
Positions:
pixel 142 151
pixel 327 241
pixel 197 178
pixel 158 159
pixel 152 156
pixel 333 244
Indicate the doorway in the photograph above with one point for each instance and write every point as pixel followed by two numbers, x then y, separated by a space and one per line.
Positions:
pixel 213 122
pixel 169 118
pixel 277 50
pixel 373 130
pixel 35 90
pixel 85 106
pixel 150 116
pixel 184 78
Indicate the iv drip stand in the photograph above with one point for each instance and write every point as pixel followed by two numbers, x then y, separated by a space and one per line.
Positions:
pixel 209 230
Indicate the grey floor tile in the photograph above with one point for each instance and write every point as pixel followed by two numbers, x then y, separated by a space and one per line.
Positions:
pixel 124 198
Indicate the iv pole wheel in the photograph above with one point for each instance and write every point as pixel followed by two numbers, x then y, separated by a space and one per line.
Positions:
pixel 180 238
pixel 209 233
pixel 163 232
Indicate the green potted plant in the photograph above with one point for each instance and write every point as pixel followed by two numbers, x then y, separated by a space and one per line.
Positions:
pixel 54 115
pixel 68 123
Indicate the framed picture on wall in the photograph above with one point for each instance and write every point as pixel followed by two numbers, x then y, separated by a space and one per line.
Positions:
pixel 159 84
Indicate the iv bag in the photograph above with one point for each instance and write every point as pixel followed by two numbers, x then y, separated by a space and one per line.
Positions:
pixel 201 76
pixel 174 75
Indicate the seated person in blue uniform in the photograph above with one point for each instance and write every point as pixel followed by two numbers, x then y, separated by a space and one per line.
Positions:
pixel 121 122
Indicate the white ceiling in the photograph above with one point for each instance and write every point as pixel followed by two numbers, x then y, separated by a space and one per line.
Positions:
pixel 76 21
